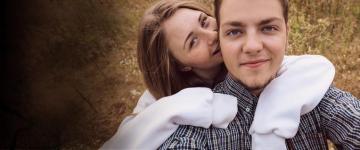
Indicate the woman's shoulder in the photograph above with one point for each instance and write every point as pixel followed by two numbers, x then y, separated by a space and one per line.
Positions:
pixel 145 100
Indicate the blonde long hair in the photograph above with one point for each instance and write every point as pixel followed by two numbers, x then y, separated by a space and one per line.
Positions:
pixel 159 68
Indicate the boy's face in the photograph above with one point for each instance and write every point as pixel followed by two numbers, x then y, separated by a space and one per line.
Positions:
pixel 253 40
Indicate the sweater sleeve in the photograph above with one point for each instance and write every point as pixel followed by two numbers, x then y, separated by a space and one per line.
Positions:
pixel 157 120
pixel 301 83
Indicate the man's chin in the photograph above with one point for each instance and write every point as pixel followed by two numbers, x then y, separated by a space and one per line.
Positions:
pixel 255 86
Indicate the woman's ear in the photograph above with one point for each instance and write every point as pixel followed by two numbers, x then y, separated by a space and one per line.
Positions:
pixel 186 69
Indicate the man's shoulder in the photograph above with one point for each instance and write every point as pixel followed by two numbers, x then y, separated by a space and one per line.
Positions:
pixel 335 95
pixel 333 101
pixel 337 101
pixel 335 105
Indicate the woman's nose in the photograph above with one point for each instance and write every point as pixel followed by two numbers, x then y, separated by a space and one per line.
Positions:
pixel 212 37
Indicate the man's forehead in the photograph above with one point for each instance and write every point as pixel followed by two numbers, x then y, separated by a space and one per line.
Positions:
pixel 249 10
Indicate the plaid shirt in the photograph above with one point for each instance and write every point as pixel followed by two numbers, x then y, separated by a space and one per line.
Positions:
pixel 337 117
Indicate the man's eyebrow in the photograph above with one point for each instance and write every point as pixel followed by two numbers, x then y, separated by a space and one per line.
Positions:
pixel 266 21
pixel 240 24
pixel 191 33
pixel 233 23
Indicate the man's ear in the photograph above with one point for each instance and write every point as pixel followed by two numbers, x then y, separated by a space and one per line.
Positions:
pixel 287 30
pixel 287 36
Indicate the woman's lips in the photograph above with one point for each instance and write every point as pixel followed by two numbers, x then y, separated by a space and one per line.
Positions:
pixel 216 52
pixel 254 63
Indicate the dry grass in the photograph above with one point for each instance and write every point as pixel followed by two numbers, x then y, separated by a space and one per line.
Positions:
pixel 329 28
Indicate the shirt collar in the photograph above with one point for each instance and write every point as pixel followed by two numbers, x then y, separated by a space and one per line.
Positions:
pixel 237 89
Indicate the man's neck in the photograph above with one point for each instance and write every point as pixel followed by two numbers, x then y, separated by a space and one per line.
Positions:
pixel 256 92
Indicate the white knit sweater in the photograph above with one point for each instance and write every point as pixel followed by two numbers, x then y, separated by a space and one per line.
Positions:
pixel 277 115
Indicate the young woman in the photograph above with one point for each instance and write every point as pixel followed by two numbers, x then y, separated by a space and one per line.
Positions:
pixel 178 48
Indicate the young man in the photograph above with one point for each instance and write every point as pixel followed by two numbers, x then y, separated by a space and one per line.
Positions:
pixel 253 37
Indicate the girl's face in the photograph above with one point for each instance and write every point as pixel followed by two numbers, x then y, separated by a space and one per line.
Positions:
pixel 192 38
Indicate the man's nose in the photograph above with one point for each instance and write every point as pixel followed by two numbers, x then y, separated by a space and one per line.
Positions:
pixel 253 44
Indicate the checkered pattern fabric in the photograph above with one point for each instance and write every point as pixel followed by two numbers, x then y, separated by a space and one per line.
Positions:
pixel 337 118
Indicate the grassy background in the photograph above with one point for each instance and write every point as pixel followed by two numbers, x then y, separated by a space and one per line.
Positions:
pixel 70 70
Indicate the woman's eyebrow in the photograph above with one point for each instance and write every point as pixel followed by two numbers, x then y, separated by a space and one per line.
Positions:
pixel 200 17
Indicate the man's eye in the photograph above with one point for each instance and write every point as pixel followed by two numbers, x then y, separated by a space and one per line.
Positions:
pixel 235 32
pixel 193 41
pixel 268 29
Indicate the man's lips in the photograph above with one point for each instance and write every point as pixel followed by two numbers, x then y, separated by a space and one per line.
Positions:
pixel 254 63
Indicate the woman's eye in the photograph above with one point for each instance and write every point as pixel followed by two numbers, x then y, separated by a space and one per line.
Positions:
pixel 267 29
pixel 193 41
